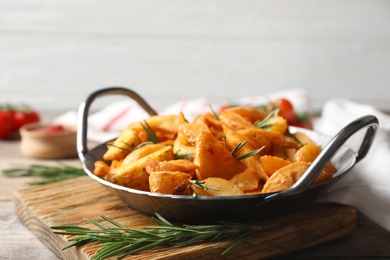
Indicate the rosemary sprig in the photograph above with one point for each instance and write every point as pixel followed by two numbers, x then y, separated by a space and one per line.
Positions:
pixel 265 124
pixel 214 113
pixel 120 241
pixel 200 184
pixel 131 147
pixel 50 173
pixel 238 147
pixel 150 133
pixel 127 148
pixel 183 155
pixel 249 154
pixel 293 137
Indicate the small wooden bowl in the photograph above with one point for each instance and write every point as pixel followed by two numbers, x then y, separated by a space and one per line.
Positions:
pixel 42 142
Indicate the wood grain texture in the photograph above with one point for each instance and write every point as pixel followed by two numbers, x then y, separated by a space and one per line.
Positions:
pixel 54 53
pixel 68 202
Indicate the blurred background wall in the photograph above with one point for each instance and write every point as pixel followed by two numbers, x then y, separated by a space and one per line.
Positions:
pixel 54 53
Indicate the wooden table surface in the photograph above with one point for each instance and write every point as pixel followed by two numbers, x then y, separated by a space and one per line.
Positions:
pixel 368 241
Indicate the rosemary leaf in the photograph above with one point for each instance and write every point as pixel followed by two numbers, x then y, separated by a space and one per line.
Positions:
pixel 183 155
pixel 251 153
pixel 243 156
pixel 161 220
pixel 238 242
pixel 238 147
pixel 130 147
pixel 214 113
pixel 265 124
pixel 201 184
pixel 150 133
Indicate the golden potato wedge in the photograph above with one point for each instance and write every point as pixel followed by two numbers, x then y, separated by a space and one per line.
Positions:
pixel 285 177
pixel 217 187
pixel 303 138
pixel 169 182
pixel 135 175
pixel 181 146
pixel 309 153
pixel 190 131
pixel 272 163
pixel 279 124
pixel 254 163
pixel 122 146
pixel 252 114
pixel 248 180
pixel 290 142
pixel 115 164
pixel 257 138
pixel 213 124
pixel 290 153
pixel 213 159
pixel 180 165
pixel 164 126
pixel 233 138
pixel 142 152
pixel 234 120
pixel 101 169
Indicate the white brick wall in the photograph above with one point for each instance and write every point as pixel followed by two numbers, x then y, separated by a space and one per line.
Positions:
pixel 54 53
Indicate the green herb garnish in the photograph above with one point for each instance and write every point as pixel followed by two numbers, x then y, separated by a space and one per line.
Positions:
pixel 50 173
pixel 183 155
pixel 200 184
pixel 251 153
pixel 243 156
pixel 265 124
pixel 120 241
pixel 214 113
pixel 150 133
pixel 238 147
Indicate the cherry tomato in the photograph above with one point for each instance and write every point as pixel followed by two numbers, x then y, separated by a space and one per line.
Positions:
pixel 22 117
pixel 286 110
pixel 6 124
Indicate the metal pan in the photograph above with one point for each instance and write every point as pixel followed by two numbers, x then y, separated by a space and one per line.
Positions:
pixel 234 208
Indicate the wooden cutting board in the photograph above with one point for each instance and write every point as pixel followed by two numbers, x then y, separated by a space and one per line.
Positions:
pixel 69 202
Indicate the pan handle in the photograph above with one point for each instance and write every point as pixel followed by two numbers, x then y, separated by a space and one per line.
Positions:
pixel 82 148
pixel 370 122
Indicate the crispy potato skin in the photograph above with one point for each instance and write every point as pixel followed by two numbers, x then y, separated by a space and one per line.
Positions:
pixel 169 182
pixel 286 176
pixel 221 187
pixel 101 168
pixel 134 175
pixel 122 145
pixel 213 160
pixel 272 163
pixel 142 152
pixel 309 153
